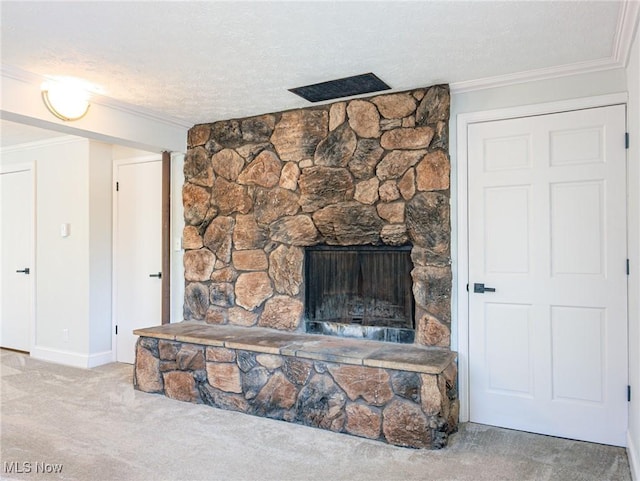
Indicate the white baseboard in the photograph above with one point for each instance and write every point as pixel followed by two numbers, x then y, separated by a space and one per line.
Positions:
pixel 634 457
pixel 69 358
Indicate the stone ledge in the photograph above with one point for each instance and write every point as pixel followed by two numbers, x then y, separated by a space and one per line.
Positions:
pixel 402 357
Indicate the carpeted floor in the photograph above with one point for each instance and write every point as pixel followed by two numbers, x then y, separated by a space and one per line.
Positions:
pixel 97 427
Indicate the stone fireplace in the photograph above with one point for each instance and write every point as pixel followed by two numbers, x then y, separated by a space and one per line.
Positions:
pixel 330 220
pixel 366 172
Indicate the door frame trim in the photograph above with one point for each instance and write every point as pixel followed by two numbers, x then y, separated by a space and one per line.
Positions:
pixel 31 167
pixel 461 261
pixel 114 229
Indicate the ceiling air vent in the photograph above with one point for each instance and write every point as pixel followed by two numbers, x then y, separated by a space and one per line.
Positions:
pixel 344 87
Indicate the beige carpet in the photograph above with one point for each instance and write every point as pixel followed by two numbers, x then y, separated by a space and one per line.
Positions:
pixel 97 427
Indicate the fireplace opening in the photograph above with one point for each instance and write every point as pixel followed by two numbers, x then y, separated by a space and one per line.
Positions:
pixel 360 291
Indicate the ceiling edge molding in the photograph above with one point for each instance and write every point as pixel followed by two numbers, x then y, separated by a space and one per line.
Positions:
pixel 535 75
pixel 627 24
pixel 39 144
pixel 628 20
pixel 32 78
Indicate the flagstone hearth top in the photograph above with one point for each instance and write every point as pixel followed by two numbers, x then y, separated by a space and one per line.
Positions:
pixel 404 357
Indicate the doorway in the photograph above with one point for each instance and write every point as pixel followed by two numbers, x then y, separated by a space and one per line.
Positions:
pixel 547 320
pixel 137 250
pixel 17 271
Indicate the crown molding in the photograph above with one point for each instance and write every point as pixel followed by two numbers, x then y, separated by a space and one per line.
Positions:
pixel 534 75
pixel 627 23
pixel 40 144
pixel 19 74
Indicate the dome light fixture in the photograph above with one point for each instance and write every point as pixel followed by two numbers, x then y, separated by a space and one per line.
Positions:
pixel 66 99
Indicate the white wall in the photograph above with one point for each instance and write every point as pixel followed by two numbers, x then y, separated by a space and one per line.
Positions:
pixel 73 274
pixel 633 157
pixel 177 226
pixel 100 246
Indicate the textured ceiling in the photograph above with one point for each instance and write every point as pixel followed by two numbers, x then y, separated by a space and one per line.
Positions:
pixel 205 61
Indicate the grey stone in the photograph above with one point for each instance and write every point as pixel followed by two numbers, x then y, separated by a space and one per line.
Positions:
pixel 434 106
pixel 227 133
pixel 406 384
pixel 253 380
pixel 217 237
pixel 337 148
pixel 349 223
pixel 246 360
pixel 258 129
pixel 196 301
pixel 322 186
pixel 428 223
pixel 321 404
pixel 197 167
pixel 221 294
pixel 298 133
pixel 367 155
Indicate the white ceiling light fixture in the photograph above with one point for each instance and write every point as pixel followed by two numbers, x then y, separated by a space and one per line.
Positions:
pixel 67 99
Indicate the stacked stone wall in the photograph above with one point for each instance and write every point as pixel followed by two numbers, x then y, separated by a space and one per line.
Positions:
pixel 397 407
pixel 365 171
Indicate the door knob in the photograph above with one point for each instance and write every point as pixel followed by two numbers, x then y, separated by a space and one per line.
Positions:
pixel 24 271
pixel 481 289
pixel 158 275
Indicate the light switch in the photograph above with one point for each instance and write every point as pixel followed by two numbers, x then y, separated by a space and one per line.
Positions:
pixel 177 244
pixel 65 230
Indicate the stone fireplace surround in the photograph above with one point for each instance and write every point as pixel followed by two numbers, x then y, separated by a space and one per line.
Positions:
pixel 259 190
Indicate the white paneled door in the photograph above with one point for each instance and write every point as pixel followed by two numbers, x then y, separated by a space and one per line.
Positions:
pixel 547 231
pixel 138 252
pixel 16 246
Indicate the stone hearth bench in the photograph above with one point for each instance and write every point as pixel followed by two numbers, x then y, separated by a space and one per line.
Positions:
pixel 402 394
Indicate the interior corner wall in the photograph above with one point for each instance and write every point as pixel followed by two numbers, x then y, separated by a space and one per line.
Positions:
pixel 62 263
pixel 177 226
pixel 633 159
pixel 100 248
pixel 73 273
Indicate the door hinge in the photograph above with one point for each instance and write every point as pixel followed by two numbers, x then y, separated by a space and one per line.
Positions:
pixel 628 393
pixel 116 330
pixel 117 186
pixel 628 269
pixel 467 287
pixel 626 140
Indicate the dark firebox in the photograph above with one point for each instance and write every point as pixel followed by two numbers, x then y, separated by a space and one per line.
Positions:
pixel 360 291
